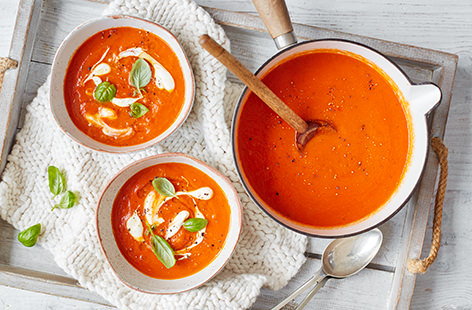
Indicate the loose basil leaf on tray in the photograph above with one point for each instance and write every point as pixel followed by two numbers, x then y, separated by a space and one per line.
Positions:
pixel 164 187
pixel 57 180
pixel 138 110
pixel 140 74
pixel 195 224
pixel 105 91
pixel 68 200
pixel 29 236
pixel 163 251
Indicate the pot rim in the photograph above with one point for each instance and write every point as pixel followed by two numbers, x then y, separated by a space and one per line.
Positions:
pixel 270 212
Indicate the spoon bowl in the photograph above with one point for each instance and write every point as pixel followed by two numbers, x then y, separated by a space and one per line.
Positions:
pixel 345 257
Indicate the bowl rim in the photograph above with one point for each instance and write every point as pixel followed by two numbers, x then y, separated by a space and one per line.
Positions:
pixel 102 147
pixel 238 209
pixel 267 209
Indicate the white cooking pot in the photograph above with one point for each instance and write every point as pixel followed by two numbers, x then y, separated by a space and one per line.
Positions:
pixel 420 100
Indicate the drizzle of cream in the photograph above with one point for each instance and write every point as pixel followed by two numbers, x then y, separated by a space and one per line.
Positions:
pixel 151 208
pixel 176 224
pixel 183 255
pixel 135 227
pixel 124 102
pixel 200 234
pixel 96 120
pixel 107 113
pixel 163 78
pixel 203 193
pixel 99 68
pixel 96 80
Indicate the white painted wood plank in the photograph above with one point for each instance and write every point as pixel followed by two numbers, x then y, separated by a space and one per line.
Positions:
pixel 8 11
pixel 16 299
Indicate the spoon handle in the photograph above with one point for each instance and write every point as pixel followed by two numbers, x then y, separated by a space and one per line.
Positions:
pixel 310 295
pixel 315 280
pixel 253 83
pixel 275 16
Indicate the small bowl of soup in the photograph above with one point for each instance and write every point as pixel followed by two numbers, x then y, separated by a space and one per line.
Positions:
pixel 168 223
pixel 120 84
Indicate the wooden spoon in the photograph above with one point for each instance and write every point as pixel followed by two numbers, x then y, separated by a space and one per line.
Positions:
pixel 305 130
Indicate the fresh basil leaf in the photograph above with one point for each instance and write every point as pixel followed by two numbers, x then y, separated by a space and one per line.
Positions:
pixel 105 91
pixel 29 236
pixel 57 180
pixel 140 74
pixel 138 110
pixel 163 251
pixel 195 224
pixel 164 187
pixel 68 200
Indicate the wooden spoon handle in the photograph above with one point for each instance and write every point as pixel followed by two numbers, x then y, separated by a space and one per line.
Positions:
pixel 253 83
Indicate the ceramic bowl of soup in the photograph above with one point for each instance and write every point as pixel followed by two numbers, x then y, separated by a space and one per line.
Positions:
pixel 120 84
pixel 349 178
pixel 168 223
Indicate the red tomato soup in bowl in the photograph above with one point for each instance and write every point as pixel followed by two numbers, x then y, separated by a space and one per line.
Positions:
pixel 193 219
pixel 124 87
pixel 346 173
pixel 168 223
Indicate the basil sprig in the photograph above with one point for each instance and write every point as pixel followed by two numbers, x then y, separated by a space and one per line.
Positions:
pixel 57 185
pixel 29 236
pixel 137 110
pixel 140 74
pixel 57 180
pixel 164 187
pixel 195 224
pixel 162 249
pixel 68 200
pixel 105 91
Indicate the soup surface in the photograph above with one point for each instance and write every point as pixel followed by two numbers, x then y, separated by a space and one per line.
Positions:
pixel 141 206
pixel 342 175
pixel 124 86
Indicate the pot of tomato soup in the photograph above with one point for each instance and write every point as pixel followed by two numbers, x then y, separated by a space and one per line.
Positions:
pixel 348 179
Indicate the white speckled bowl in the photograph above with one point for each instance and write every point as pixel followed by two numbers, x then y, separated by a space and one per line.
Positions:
pixel 123 269
pixel 67 49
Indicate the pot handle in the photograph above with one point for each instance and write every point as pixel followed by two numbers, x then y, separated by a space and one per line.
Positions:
pixel 425 97
pixel 275 16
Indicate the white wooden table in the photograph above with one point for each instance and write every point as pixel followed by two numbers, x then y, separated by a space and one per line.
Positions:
pixel 441 24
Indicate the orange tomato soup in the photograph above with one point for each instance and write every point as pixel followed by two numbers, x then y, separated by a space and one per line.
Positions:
pixel 115 51
pixel 343 175
pixel 186 179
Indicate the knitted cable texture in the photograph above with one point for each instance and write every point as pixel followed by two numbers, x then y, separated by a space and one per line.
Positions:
pixel 267 254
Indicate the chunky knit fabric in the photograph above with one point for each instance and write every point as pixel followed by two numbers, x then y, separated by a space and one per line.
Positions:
pixel 267 254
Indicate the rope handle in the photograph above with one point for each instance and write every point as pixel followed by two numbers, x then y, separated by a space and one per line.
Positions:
pixel 422 265
pixel 6 64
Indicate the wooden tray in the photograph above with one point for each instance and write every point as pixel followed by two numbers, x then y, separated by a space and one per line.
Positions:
pixel 385 284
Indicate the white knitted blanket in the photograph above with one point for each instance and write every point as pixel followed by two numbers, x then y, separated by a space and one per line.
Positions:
pixel 267 254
